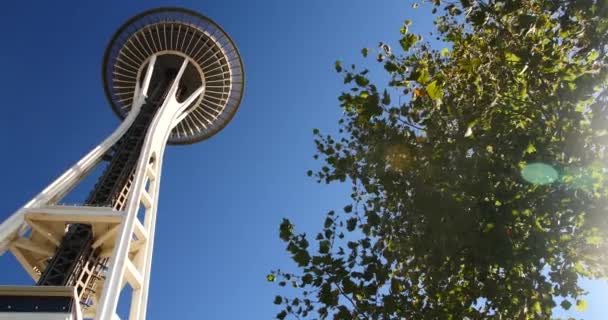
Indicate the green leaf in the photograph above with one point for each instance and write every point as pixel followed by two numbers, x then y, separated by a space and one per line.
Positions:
pixel 324 247
pixel 537 308
pixel 327 296
pixel 281 315
pixel 278 300
pixel 307 278
pixel 309 173
pixel 315 131
pixel 408 41
pixel 566 304
pixel 390 66
pixel 434 90
pixel 580 108
pixel 361 80
pixel 338 66
pixel 594 240
pixel 351 224
pixel 286 230
pixel 455 11
pixel 270 277
pixel 570 75
pixel 523 92
pixel 386 98
pixel 328 222
pixel 530 149
pixel 488 227
pixel 365 52
pixel 581 305
pixel 445 52
pixel 511 57
pixel 302 258
pixel 592 56
pixel 348 208
pixel 469 132
pixel 423 77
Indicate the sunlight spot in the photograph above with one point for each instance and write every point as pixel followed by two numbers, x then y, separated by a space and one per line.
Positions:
pixel 580 178
pixel 398 157
pixel 588 178
pixel 539 173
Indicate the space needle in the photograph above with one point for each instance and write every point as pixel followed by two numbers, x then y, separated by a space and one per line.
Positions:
pixel 174 77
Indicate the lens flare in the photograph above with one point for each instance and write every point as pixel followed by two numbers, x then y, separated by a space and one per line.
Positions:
pixel 398 157
pixel 539 173
pixel 588 178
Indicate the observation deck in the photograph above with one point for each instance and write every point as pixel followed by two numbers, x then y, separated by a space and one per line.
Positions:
pixel 175 34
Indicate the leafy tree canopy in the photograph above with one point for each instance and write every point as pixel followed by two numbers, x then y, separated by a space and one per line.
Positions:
pixel 478 171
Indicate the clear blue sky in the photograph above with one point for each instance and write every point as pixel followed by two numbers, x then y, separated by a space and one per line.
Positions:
pixel 221 200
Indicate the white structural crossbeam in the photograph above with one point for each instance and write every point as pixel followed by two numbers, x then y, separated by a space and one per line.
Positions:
pixel 34 232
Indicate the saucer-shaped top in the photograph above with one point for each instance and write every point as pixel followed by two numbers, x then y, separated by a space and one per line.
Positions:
pixel 175 34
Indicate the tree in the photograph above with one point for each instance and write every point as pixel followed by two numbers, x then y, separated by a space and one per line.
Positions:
pixel 480 192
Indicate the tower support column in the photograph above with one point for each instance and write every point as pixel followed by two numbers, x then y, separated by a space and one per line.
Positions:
pixel 143 196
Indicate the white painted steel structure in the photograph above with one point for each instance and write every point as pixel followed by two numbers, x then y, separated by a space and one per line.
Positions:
pixel 72 313
pixel 33 233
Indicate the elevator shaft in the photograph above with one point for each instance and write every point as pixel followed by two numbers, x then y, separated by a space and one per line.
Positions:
pixel 75 262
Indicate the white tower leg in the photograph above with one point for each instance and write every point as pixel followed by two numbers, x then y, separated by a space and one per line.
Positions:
pixel 147 170
pixel 126 240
